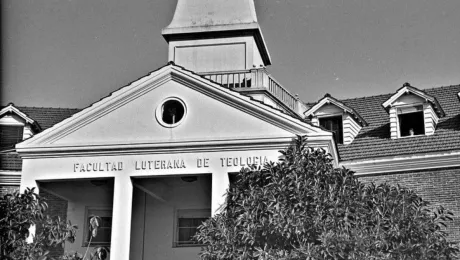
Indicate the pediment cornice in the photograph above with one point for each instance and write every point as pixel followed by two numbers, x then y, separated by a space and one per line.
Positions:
pixel 140 87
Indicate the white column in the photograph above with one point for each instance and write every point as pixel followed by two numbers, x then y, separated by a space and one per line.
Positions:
pixel 220 184
pixel 121 218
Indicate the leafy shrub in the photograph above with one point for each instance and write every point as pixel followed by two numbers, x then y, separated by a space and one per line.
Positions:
pixel 18 212
pixel 304 208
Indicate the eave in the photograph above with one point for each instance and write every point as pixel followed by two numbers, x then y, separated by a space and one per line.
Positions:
pixel 328 99
pixel 12 109
pixel 408 89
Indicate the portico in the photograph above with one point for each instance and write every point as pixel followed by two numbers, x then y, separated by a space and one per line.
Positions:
pixel 153 158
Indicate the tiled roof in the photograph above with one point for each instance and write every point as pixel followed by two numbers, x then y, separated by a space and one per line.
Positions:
pixel 329 99
pixel 46 117
pixel 374 140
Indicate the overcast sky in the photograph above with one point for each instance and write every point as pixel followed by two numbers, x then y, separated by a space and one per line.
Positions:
pixel 71 53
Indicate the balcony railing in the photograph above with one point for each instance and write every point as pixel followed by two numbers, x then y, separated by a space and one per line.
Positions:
pixel 255 79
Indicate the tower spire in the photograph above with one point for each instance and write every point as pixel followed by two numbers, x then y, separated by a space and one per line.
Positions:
pixel 219 33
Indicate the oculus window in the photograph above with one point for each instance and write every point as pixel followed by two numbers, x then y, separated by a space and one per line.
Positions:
pixel 187 223
pixel 333 124
pixel 411 121
pixel 171 112
pixel 104 231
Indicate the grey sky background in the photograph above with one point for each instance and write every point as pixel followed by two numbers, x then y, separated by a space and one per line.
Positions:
pixel 71 53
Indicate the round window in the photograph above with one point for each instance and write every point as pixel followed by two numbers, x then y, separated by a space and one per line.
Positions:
pixel 171 112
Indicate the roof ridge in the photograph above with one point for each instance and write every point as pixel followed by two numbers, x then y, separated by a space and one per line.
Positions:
pixel 62 108
pixel 191 73
pixel 380 95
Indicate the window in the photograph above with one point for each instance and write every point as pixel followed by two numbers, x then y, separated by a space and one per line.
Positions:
pixel 171 112
pixel 10 135
pixel 411 121
pixel 333 124
pixel 105 227
pixel 187 222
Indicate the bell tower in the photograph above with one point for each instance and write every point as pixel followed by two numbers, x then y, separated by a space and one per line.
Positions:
pixel 208 36
pixel 222 41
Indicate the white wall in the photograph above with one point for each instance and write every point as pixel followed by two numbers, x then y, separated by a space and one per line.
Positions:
pixel 153 221
pixel 218 54
pixel 80 195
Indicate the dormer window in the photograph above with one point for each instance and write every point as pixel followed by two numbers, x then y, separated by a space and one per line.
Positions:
pixel 411 121
pixel 343 121
pixel 412 112
pixel 15 126
pixel 335 125
pixel 10 135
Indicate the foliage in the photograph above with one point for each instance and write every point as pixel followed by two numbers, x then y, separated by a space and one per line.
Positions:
pixel 18 212
pixel 304 208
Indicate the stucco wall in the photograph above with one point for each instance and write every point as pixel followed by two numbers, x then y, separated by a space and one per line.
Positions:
pixel 83 194
pixel 153 221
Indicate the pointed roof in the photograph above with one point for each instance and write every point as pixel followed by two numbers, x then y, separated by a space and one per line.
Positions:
pixel 212 15
pixel 374 140
pixel 126 93
pixel 10 108
pixel 408 89
pixel 328 99
pixel 216 16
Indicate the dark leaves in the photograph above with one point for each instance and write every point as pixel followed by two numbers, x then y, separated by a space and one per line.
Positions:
pixel 304 208
pixel 18 212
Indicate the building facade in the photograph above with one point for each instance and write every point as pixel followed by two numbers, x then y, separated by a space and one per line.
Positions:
pixel 154 158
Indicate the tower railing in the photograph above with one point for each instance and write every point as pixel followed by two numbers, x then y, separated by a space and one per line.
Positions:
pixel 254 79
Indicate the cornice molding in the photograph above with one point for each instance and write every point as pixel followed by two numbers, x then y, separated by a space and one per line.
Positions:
pixel 387 165
pixel 256 109
pixel 158 78
pixel 264 91
pixel 168 147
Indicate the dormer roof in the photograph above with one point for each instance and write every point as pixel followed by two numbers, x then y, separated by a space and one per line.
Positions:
pixel 408 89
pixel 374 140
pixel 328 99
pixel 10 108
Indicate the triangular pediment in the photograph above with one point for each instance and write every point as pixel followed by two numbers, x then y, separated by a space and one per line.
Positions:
pixel 328 100
pixel 416 94
pixel 129 117
pixel 13 110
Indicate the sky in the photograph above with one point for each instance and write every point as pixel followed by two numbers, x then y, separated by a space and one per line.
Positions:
pixel 71 53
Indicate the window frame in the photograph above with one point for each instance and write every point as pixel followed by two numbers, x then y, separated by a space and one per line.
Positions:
pixel 20 136
pixel 190 213
pixel 89 210
pixel 410 109
pixel 341 137
pixel 160 109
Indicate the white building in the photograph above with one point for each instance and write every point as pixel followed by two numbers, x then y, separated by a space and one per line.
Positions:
pixel 155 157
